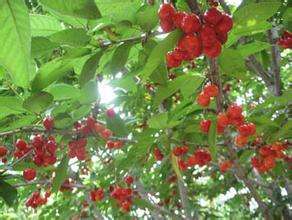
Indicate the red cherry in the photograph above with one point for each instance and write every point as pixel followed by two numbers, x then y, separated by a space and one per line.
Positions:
pixel 178 19
pixel 110 113
pixel 106 133
pixel 21 144
pixel 203 99
pixel 211 90
pixel 90 123
pixel 129 180
pixel 4 160
pixel 220 129
pixel 208 36
pixel 98 128
pixel 110 144
pixel 222 37
pixel 182 165
pixel 171 60
pixel 37 141
pixel 118 144
pixel 205 125
pixel 191 44
pixel 213 51
pixel 222 120
pixel 247 129
pixel 29 174
pixel 97 195
pixel 126 206
pixel 48 123
pixel 166 12
pixel 234 111
pixel 157 154
pixel 224 25
pixel 240 140
pixel 190 24
pixel 3 151
pixel 225 166
pixel 180 150
pixel 51 147
pixel 166 26
pixel 213 16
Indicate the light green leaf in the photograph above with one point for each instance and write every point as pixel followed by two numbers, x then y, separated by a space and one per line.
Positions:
pixel 10 105
pixel 149 12
pixel 89 93
pixel 43 25
pixel 63 91
pixel 119 10
pixel 15 41
pixel 157 55
pixel 8 193
pixel 89 69
pixel 41 46
pixel 77 8
pixel 158 121
pixel 252 48
pixel 61 174
pixel 51 72
pixel 38 102
pixel 22 121
pixel 73 37
pixel 118 59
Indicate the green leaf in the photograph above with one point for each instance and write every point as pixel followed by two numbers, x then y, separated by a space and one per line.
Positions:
pixel 43 25
pixel 15 41
pixel 89 69
pixel 38 102
pixel 10 105
pixel 51 72
pixel 158 121
pixel 212 140
pixel 236 68
pixel 63 91
pixel 262 11
pixel 41 46
pixel 149 12
pixel 63 120
pixel 119 59
pixel 117 125
pixel 78 8
pixel 160 75
pixel 89 93
pixel 73 37
pixel 8 193
pixel 61 174
pixel 22 121
pixel 252 48
pixel 119 10
pixel 157 55
pixel 164 92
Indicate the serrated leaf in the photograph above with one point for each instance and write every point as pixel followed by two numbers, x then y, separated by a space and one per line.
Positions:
pixel 38 102
pixel 8 193
pixel 157 55
pixel 158 121
pixel 78 8
pixel 15 41
pixel 73 37
pixel 61 174
pixel 89 69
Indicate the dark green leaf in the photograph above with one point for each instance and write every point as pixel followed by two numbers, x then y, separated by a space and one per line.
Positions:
pixel 149 12
pixel 41 46
pixel 117 125
pixel 8 193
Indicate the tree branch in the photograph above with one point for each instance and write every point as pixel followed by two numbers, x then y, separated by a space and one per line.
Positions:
pixel 276 59
pixel 194 6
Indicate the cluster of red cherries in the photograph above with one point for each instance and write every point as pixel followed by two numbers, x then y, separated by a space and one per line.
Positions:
pixel 37 199
pixel 286 40
pixel 204 35
pixel 200 157
pixel 3 154
pixel 267 156
pixel 208 92
pixel 123 197
pixel 96 195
